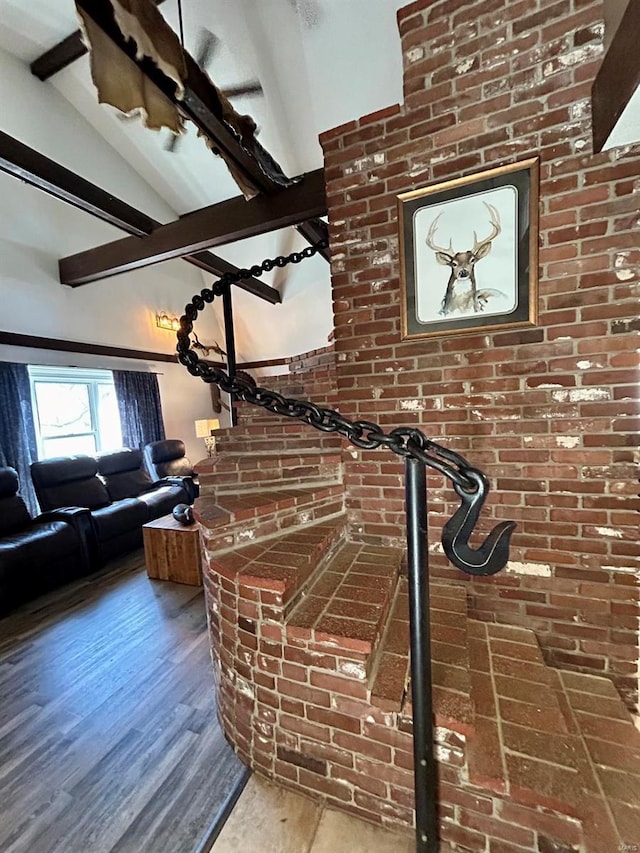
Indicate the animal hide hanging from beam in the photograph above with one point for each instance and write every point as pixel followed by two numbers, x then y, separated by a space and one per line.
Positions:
pixel 119 81
pixel 123 85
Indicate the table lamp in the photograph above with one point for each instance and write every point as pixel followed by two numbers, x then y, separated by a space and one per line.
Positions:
pixel 205 429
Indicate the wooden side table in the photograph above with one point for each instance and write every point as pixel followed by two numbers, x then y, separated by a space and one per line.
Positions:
pixel 172 551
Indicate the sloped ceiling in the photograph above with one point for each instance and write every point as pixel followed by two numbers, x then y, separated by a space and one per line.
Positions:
pixel 320 63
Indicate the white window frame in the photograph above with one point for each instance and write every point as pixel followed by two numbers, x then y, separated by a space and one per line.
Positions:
pixel 92 378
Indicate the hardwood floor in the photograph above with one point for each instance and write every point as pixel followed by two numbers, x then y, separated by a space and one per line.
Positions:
pixel 109 741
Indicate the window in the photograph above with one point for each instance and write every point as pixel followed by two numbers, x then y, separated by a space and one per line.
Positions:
pixel 75 411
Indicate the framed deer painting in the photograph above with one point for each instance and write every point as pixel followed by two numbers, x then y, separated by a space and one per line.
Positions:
pixel 469 253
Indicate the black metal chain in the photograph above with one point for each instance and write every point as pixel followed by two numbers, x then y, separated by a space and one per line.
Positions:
pixel 405 441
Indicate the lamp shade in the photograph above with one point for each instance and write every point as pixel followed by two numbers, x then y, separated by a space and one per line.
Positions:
pixel 206 427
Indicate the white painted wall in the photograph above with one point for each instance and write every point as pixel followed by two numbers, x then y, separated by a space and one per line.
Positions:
pixel 304 319
pixel 183 398
pixel 36 230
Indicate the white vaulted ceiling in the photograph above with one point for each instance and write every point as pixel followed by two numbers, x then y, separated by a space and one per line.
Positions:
pixel 320 63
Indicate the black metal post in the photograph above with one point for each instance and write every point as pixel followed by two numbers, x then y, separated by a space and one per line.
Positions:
pixel 230 344
pixel 425 773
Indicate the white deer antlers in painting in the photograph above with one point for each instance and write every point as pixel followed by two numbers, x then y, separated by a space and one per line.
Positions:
pixel 463 264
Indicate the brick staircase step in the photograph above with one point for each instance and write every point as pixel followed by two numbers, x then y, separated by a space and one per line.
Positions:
pixel 450 677
pixel 390 676
pixel 551 739
pixel 513 697
pixel 347 605
pixel 597 714
pixel 281 564
pixel 264 434
pixel 231 520
pixel 230 471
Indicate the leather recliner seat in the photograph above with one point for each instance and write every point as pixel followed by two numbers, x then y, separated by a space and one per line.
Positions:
pixel 125 478
pixel 167 459
pixel 74 481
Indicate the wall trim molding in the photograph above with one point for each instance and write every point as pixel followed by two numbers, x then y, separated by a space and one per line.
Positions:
pixel 17 339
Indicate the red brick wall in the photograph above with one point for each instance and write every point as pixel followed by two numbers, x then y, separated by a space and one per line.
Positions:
pixel 551 412
pixel 310 375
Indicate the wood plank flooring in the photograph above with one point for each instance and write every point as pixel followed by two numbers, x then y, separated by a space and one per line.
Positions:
pixel 109 741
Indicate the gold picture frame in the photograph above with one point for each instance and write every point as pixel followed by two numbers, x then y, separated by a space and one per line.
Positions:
pixel 489 219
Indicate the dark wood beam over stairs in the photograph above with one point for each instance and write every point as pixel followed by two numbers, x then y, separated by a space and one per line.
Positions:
pixel 618 76
pixel 72 48
pixel 316 231
pixel 59 56
pixel 225 222
pixel 45 174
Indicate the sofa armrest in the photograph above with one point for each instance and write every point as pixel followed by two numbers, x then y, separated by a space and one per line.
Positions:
pixel 168 481
pixel 80 519
pixel 70 514
pixel 187 483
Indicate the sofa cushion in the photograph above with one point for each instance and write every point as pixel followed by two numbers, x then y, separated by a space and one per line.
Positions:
pixel 68 481
pixel 36 560
pixel 167 459
pixel 8 482
pixel 42 543
pixel 110 521
pixel 13 515
pixel 64 469
pixel 13 512
pixel 90 493
pixel 119 461
pixel 174 468
pixel 123 473
pixel 128 485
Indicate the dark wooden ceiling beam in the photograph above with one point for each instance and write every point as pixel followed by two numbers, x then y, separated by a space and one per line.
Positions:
pixel 61 55
pixel 33 168
pixel 199 104
pixel 618 76
pixel 17 339
pixel 36 342
pixel 225 222
pixel 316 231
pixel 208 262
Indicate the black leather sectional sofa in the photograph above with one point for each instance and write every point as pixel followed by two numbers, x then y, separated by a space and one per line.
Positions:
pixel 93 510
pixel 117 491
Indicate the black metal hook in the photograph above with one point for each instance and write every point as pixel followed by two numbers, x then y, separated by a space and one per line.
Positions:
pixel 493 554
